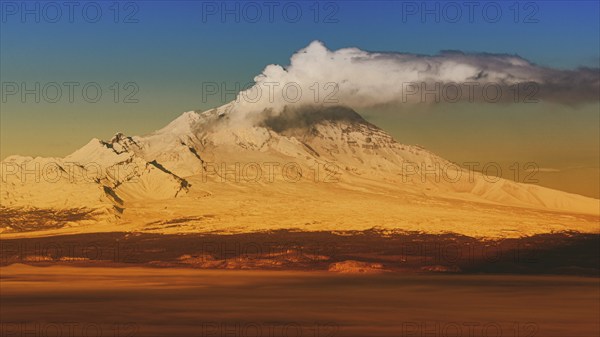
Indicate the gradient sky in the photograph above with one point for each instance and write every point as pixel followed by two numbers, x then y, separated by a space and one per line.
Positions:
pixel 172 47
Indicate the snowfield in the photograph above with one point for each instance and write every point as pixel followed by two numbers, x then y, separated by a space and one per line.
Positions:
pixel 309 168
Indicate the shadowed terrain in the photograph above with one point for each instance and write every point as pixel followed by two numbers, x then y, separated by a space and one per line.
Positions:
pixel 351 251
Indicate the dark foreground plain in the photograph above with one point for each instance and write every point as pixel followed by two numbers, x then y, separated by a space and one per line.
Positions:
pixel 152 302
pixel 286 283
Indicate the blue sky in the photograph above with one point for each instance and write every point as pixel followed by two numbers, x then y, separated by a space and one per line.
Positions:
pixel 169 48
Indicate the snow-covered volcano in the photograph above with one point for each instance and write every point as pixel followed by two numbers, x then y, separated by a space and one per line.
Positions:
pixel 304 150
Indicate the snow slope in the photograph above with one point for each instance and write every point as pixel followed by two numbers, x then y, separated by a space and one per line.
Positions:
pixel 203 153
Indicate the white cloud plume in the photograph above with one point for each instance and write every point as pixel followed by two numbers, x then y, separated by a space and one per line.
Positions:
pixel 360 79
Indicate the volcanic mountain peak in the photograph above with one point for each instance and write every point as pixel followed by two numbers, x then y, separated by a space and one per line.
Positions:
pixel 199 149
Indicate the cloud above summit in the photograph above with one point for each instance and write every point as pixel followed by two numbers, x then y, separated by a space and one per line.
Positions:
pixel 362 79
